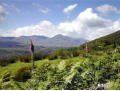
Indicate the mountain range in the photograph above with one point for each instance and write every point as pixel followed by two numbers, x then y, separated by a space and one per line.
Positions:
pixel 56 41
pixel 16 46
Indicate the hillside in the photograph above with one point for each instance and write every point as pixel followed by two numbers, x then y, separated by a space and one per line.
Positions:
pixel 69 68
pixel 105 43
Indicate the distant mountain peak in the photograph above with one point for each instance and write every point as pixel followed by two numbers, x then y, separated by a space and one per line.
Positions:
pixel 56 41
pixel 59 35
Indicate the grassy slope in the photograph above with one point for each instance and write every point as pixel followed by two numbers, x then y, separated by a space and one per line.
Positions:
pixel 13 68
pixel 73 62
pixel 107 42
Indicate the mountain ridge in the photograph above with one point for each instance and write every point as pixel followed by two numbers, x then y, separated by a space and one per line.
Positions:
pixel 56 41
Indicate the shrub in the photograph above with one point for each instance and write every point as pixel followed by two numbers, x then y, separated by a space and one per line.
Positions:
pixel 4 62
pixel 12 59
pixel 77 83
pixel 6 77
pixel 76 53
pixel 116 85
pixel 23 74
pixel 25 58
pixel 38 56
pixel 52 56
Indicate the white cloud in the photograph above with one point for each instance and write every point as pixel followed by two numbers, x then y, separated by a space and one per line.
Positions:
pixel 86 25
pixel 43 28
pixel 89 25
pixel 11 7
pixel 45 11
pixel 69 8
pixel 3 14
pixel 107 9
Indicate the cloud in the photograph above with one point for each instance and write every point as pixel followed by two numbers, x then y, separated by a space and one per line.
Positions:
pixel 3 14
pixel 107 9
pixel 45 11
pixel 43 28
pixel 11 7
pixel 87 25
pixel 36 4
pixel 69 8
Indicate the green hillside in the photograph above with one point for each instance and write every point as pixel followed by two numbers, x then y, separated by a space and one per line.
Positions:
pixel 106 43
pixel 68 69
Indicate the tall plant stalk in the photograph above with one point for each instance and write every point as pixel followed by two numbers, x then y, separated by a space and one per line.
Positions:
pixel 32 58
pixel 32 54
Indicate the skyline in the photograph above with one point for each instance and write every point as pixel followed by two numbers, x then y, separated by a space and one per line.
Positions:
pixel 75 18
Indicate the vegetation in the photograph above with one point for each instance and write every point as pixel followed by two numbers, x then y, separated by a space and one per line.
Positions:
pixel 68 69
pixel 6 53
pixel 24 58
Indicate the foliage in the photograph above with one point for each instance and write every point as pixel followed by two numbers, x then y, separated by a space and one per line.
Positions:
pixel 116 85
pixel 23 74
pixel 23 58
pixel 71 74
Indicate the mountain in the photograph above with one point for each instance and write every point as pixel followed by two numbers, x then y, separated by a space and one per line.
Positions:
pixel 16 46
pixel 63 41
pixel 56 41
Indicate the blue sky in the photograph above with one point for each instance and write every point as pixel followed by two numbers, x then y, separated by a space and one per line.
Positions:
pixel 48 17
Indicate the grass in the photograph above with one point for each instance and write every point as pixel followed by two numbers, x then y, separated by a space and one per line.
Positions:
pixel 13 68
pixel 68 67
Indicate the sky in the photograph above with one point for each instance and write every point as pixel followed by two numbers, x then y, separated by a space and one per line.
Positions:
pixel 88 19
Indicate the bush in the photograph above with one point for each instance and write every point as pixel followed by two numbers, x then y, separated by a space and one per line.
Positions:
pixel 4 62
pixel 52 56
pixel 13 59
pixel 38 57
pixel 25 58
pixel 6 77
pixel 76 53
pixel 116 85
pixel 23 74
